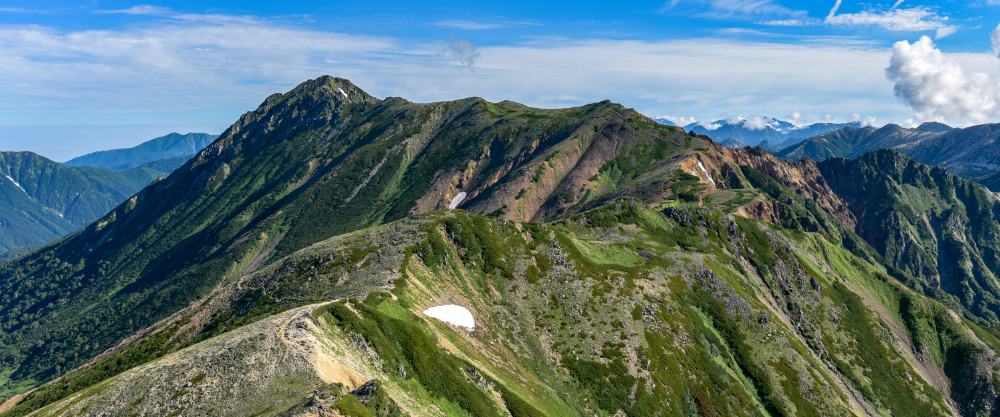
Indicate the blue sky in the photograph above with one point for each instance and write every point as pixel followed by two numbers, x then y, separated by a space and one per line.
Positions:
pixel 82 76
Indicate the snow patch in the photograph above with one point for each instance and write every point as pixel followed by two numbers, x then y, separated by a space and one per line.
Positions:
pixel 706 173
pixel 453 314
pixel 15 183
pixel 457 200
pixel 342 92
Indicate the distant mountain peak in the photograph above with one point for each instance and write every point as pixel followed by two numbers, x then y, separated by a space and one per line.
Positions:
pixel 934 127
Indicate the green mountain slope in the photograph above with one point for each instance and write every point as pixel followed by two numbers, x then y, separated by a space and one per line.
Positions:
pixel 41 201
pixel 165 147
pixel 623 310
pixel 321 160
pixel 926 221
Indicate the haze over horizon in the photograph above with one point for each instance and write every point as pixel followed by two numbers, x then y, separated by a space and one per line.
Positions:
pixel 82 78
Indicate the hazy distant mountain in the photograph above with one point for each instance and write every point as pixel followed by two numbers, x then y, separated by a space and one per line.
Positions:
pixel 733 143
pixel 41 200
pixel 767 146
pixel 170 146
pixel 971 152
pixel 755 130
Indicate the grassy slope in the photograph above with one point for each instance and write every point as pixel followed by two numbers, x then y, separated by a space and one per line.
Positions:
pixel 675 312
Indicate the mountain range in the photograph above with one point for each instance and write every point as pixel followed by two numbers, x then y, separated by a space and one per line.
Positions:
pixel 43 201
pixel 755 130
pixel 163 154
pixel 969 152
pixel 611 265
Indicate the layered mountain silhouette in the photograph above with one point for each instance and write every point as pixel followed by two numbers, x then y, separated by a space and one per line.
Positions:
pixel 612 266
pixel 851 141
pixel 757 129
pixel 163 154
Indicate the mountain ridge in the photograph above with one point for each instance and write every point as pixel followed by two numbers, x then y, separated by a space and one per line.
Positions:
pixel 637 259
pixel 43 201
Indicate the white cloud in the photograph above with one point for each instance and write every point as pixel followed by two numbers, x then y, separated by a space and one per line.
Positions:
pixel 945 31
pixel 913 19
pixel 731 120
pixel 725 9
pixel 463 24
pixel 710 126
pixel 144 9
pixel 791 22
pixel 469 25
pixel 937 88
pixel 898 2
pixel 868 121
pixel 796 118
pixel 833 11
pixel 756 122
pixel 679 121
pixel 826 117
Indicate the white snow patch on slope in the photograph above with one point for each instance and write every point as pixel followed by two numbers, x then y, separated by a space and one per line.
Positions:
pixel 457 200
pixel 706 173
pixel 453 314
pixel 15 183
pixel 342 91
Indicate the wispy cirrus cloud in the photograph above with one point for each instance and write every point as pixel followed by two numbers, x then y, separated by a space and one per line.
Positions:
pixel 470 25
pixel 724 9
pixel 467 25
pixel 915 19
pixel 143 9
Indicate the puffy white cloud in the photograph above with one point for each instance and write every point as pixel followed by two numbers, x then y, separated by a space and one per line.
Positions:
pixel 710 126
pixel 797 118
pixel 680 121
pixel 731 120
pixel 856 117
pixel 756 122
pixel 938 88
pixel 826 117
